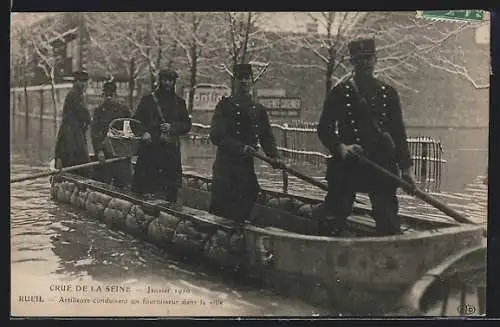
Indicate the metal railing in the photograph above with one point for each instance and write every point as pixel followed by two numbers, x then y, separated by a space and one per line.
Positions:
pixel 300 143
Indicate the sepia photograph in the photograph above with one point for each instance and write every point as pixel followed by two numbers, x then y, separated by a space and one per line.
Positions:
pixel 249 164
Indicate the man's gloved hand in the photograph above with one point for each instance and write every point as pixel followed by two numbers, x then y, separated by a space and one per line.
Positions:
pixel 350 151
pixel 166 127
pixel 146 137
pixel 101 157
pixel 248 149
pixel 407 176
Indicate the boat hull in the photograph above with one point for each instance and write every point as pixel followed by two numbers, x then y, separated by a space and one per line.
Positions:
pixel 358 275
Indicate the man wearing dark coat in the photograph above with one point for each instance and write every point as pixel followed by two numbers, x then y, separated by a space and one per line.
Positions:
pixel 362 115
pixel 71 144
pixel 164 118
pixel 238 125
pixel 118 173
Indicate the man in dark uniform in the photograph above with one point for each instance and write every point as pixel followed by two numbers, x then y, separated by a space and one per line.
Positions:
pixel 120 173
pixel 362 115
pixel 164 118
pixel 71 144
pixel 238 125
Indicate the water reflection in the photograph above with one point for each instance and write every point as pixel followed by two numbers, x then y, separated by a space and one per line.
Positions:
pixel 52 242
pixel 55 244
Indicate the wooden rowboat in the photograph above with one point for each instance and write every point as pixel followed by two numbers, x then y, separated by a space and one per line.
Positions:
pixel 359 274
pixel 455 287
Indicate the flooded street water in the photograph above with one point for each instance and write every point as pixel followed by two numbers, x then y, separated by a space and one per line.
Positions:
pixel 53 246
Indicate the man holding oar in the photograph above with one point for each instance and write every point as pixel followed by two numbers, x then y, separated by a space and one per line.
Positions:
pixel 71 144
pixel 238 125
pixel 120 173
pixel 363 116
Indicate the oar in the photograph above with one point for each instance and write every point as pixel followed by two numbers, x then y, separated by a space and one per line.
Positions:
pixel 419 193
pixel 298 174
pixel 66 169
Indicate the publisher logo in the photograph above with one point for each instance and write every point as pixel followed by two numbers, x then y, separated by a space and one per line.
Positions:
pixel 466 309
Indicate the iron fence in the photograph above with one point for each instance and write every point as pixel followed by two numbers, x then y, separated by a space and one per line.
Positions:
pixel 299 143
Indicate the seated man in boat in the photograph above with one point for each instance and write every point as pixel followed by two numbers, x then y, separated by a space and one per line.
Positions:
pixel 238 125
pixel 367 113
pixel 117 173
pixel 164 118
pixel 71 143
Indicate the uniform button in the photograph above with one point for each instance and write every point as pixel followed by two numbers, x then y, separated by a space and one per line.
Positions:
pixel 357 139
pixel 238 113
pixel 347 95
pixel 383 87
pixel 348 104
pixel 237 105
pixel 355 130
pixel 384 95
pixel 347 86
pixel 238 132
pixel 238 123
pixel 349 113
pixel 381 122
pixel 353 121
pixel 384 114
pixel 253 107
pixel 385 105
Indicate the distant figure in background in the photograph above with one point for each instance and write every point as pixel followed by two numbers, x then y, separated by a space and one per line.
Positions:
pixel 238 125
pixel 118 173
pixel 71 144
pixel 164 118
pixel 368 114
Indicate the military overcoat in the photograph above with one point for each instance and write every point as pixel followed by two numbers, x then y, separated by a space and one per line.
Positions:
pixel 159 162
pixel 238 121
pixel 343 120
pixel 71 143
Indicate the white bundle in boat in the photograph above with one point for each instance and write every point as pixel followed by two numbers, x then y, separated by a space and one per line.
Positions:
pixel 123 141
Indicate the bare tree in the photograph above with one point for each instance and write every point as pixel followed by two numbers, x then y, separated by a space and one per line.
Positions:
pixel 111 49
pixel 192 37
pixel 243 41
pixel 148 35
pixel 404 42
pixel 45 41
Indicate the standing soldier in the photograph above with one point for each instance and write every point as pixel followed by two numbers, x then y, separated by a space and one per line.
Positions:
pixel 238 125
pixel 363 115
pixel 164 118
pixel 120 173
pixel 71 144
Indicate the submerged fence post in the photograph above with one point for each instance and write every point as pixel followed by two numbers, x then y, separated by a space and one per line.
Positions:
pixel 284 140
pixel 424 158
pixel 26 119
pixel 40 136
pixel 13 119
pixel 55 115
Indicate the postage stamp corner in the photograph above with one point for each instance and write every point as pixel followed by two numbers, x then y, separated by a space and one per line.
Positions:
pixel 470 15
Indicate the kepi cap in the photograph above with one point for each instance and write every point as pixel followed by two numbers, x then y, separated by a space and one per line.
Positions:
pixel 362 48
pixel 81 75
pixel 168 74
